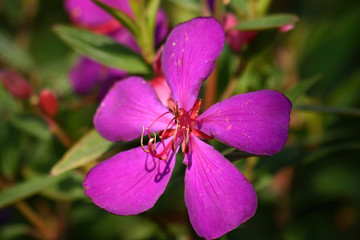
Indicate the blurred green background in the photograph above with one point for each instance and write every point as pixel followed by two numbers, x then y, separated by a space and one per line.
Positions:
pixel 310 190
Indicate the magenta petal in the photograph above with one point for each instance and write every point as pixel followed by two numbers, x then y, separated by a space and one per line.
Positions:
pixel 85 75
pixel 189 57
pixel 130 105
pixel 130 182
pixel 218 197
pixel 255 122
pixel 161 27
pixel 87 13
pixel 124 37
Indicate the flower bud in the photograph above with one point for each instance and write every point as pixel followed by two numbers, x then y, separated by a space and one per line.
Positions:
pixel 48 102
pixel 286 27
pixel 236 38
pixel 15 84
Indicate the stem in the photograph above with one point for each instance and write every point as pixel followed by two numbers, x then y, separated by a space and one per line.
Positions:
pixel 206 9
pixel 218 10
pixel 210 90
pixel 36 220
pixel 249 167
pixel 32 217
pixel 58 131
pixel 211 85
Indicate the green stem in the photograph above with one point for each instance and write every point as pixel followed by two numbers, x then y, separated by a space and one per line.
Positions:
pixel 249 167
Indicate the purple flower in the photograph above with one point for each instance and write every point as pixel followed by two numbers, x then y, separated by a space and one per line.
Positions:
pixel 87 74
pixel 218 197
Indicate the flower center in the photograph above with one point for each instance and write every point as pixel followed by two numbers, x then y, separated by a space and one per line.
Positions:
pixel 179 128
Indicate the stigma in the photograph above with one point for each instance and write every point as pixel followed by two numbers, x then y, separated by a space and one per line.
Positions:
pixel 178 129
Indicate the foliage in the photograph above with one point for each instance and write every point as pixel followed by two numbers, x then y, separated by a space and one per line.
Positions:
pixel 309 190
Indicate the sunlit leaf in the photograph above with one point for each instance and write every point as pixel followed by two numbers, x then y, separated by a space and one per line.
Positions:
pixel 28 188
pixel 87 149
pixel 181 11
pixel 267 22
pixel 103 49
pixel 151 12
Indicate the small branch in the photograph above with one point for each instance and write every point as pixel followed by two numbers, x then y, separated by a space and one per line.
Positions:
pixel 210 90
pixel 58 131
pixel 32 217
pixel 249 167
pixel 36 220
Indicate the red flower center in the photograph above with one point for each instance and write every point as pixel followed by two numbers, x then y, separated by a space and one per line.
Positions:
pixel 179 128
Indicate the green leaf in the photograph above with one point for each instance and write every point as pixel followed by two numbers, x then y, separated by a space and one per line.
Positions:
pixel 122 17
pixel 103 49
pixel 267 22
pixel 181 11
pixel 301 88
pixel 28 188
pixel 31 125
pixel 13 231
pixel 12 55
pixel 86 150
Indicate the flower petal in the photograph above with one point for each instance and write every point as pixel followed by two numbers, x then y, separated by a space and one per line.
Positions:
pixel 130 182
pixel 161 88
pixel 189 57
pixel 218 197
pixel 256 122
pixel 124 37
pixel 130 105
pixel 161 27
pixel 85 75
pixel 86 13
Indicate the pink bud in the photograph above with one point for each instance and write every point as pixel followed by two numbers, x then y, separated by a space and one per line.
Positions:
pixel 236 38
pixel 15 84
pixel 48 102
pixel 286 28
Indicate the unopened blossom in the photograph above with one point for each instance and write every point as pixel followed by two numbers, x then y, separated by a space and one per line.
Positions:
pixel 218 197
pixel 87 73
pixel 48 102
pixel 236 38
pixel 15 83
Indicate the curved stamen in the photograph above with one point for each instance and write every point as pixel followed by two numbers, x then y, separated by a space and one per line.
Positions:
pixel 162 153
pixel 142 141
pixel 183 121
